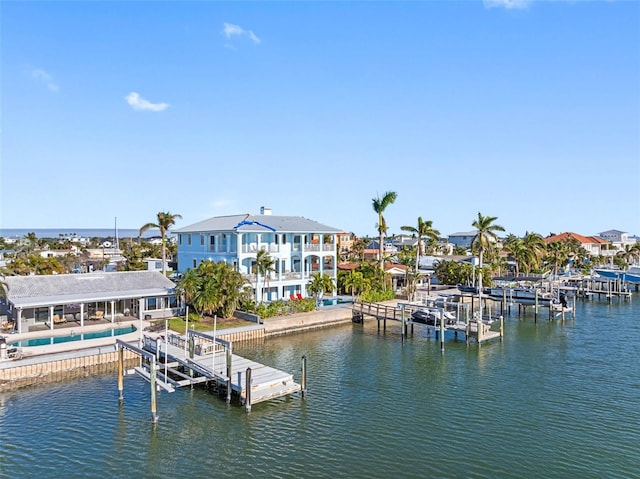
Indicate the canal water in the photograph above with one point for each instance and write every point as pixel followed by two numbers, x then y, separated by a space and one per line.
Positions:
pixel 553 400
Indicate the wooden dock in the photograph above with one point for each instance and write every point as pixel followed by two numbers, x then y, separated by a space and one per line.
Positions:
pixel 479 330
pixel 173 361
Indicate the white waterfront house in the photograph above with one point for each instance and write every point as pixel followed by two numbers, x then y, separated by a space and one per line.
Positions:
pixel 618 239
pixel 299 246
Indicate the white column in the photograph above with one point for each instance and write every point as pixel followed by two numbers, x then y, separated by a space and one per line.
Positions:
pixel 113 310
pixel 51 318
pixel 19 319
pixel 81 314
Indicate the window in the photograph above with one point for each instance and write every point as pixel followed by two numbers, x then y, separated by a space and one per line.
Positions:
pixel 173 301
pixel 194 263
pixel 152 304
pixel 201 239
pixel 212 240
pixel 189 239
pixel 179 238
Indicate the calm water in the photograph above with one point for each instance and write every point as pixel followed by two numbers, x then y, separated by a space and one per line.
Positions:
pixel 553 400
pixel 82 232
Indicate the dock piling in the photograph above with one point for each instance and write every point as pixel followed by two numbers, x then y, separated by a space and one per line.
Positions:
pixel 120 375
pixel 154 411
pixel 247 401
pixel 229 376
pixel 303 381
pixel 442 331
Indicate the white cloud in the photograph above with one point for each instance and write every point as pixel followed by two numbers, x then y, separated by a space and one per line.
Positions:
pixel 254 37
pixel 231 30
pixel 40 75
pixel 508 4
pixel 138 103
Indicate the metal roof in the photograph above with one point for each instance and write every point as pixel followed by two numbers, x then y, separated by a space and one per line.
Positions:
pixel 34 291
pixel 253 223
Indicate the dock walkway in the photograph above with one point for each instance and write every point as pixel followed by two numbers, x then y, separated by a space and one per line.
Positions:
pixel 185 360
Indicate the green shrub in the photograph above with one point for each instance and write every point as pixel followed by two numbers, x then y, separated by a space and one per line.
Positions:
pixel 377 296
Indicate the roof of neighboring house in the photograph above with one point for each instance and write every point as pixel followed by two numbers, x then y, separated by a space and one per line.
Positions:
pixel 615 232
pixel 467 233
pixel 42 290
pixel 582 239
pixel 248 223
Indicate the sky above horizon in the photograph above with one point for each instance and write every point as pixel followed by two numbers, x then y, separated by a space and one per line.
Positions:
pixel 528 111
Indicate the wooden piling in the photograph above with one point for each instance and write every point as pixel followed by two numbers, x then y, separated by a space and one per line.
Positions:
pixel 441 331
pixel 247 401
pixel 154 411
pixel 229 376
pixel 120 374
pixel 303 380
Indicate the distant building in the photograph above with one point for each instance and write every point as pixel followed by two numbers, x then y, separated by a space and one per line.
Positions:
pixel 345 243
pixel 618 239
pixel 155 264
pixel 463 240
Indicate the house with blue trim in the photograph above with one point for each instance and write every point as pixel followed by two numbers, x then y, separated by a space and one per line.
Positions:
pixel 299 246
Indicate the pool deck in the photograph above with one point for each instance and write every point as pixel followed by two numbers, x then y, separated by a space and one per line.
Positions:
pixel 31 351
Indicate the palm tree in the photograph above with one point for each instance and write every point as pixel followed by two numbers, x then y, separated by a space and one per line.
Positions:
pixel 212 287
pixel 534 243
pixel 165 221
pixel 629 253
pixel 485 234
pixel 424 230
pixel 557 254
pixel 265 265
pixel 4 287
pixel 379 206
pixel 320 283
pixel 355 283
pixel 514 246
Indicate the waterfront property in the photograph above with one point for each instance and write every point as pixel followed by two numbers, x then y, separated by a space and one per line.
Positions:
pixel 35 303
pixel 299 247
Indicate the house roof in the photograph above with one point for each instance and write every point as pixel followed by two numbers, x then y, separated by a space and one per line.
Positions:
pixel 616 232
pixel 464 234
pixel 582 239
pixel 248 223
pixel 43 290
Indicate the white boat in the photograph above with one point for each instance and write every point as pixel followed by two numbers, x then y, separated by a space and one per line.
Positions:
pixel 521 294
pixel 631 275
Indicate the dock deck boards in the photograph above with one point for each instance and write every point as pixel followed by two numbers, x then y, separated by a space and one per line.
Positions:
pixel 266 382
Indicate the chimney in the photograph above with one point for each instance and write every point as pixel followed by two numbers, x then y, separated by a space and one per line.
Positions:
pixel 265 210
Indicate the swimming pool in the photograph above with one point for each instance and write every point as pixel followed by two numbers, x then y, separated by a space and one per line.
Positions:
pixel 72 337
pixel 334 301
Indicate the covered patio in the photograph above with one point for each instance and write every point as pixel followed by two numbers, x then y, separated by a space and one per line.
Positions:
pixel 37 303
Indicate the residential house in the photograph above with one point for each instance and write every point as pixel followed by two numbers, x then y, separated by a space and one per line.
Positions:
pixel 618 239
pixel 462 239
pixel 33 301
pixel 299 246
pixel 594 245
pixel 345 243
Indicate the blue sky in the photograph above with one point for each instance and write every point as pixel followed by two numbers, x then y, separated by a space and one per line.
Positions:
pixel 527 111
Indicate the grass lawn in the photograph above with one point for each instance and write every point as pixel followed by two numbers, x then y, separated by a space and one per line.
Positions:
pixel 205 324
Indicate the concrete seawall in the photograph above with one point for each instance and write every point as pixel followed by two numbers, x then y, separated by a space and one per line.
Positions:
pixel 62 365
pixel 321 318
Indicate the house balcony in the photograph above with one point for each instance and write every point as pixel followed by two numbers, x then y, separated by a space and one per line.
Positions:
pixel 253 248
